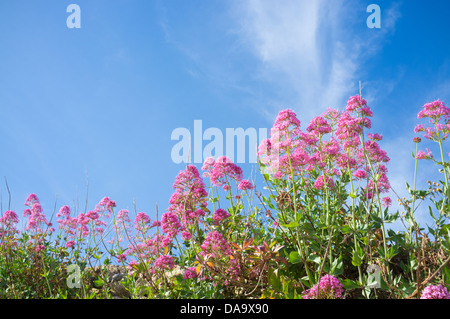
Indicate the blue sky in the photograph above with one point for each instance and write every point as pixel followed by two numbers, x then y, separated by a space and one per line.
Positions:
pixel 104 99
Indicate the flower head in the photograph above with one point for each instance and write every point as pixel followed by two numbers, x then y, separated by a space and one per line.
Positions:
pixel 435 292
pixel 329 287
pixel 220 214
pixel 355 103
pixel 434 110
pixel 164 262
pixel 319 125
pixel 224 170
pixel 190 272
pixel 285 119
pixel 245 185
pixel 422 155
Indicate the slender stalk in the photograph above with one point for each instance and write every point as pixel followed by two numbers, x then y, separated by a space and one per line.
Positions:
pixel 445 173
pixel 353 213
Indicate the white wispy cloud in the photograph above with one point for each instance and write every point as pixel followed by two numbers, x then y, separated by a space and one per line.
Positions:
pixel 313 52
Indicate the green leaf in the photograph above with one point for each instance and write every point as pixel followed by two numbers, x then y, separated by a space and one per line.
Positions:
pixel 350 284
pixel 346 229
pixel 314 258
pixel 274 279
pixel 294 257
pixel 390 218
pixel 99 282
pixel 356 260
pixel 408 188
pixel 290 225
pixel 337 267
pixel 357 256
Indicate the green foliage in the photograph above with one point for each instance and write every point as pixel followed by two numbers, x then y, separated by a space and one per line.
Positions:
pixel 278 243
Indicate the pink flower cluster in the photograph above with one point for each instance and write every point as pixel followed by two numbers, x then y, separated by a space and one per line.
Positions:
pixel 222 171
pixel 84 224
pixel 189 273
pixel 164 262
pixel 36 217
pixel 422 155
pixel 185 204
pixel 143 222
pixel 148 248
pixel 439 117
pixel 312 157
pixel 329 287
pixel 7 224
pixel 435 292
pixel 245 185
pixel 215 246
pixel 220 214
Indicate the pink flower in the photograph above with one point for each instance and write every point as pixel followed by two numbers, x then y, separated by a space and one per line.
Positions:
pixel 208 166
pixel 387 201
pixel 220 215
pixel 31 199
pixel 439 117
pixel 189 191
pixel 319 183
pixel 418 128
pixel 365 111
pixel 417 140
pixel 36 219
pixel 285 119
pixel 355 103
pixel 63 211
pixel 319 125
pixel 185 235
pixel 224 170
pixel 170 223
pixel 9 218
pixel 361 174
pixel 348 128
pixel 141 220
pixel 245 185
pixel 422 155
pixel 70 244
pixel 435 292
pixel 82 219
pixel 215 245
pixel 92 215
pixel 375 137
pixel 121 258
pixel 190 272
pixel 374 152
pixel 330 149
pixel 122 216
pixel 39 248
pixel 106 204
pixel 329 287
pixel 164 262
pixel 434 110
pixel 382 186
pixel 265 147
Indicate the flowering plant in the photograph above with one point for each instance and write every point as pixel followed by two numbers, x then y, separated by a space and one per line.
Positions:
pixel 317 230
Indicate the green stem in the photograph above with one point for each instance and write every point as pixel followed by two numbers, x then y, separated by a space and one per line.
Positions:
pixel 414 192
pixel 353 213
pixel 445 173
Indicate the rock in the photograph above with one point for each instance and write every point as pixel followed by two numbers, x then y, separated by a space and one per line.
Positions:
pixel 113 275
